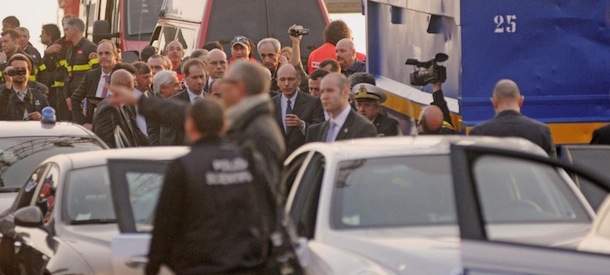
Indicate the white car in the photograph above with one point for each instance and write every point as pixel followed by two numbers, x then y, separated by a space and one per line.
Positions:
pixel 63 218
pixel 388 206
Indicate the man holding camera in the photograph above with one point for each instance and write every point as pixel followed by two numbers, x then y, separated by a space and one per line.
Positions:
pixel 20 99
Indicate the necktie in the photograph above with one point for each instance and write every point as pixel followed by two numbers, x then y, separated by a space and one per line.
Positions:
pixel 105 89
pixel 288 112
pixel 330 135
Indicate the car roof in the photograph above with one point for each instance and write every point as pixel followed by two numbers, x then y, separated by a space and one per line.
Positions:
pixel 36 128
pixel 408 145
pixel 96 158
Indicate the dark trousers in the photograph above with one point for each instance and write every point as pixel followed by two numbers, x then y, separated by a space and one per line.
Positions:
pixel 62 112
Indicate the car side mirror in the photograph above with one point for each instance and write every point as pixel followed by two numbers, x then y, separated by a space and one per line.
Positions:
pixel 30 216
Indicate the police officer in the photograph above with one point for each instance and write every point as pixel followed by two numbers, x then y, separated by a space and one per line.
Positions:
pixel 80 58
pixel 368 101
pixel 20 99
pixel 192 234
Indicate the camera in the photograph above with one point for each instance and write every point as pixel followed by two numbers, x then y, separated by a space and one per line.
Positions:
pixel 14 72
pixel 431 72
pixel 298 30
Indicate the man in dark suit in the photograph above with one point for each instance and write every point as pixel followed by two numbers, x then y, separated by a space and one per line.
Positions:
pixel 93 87
pixel 111 113
pixel 294 109
pixel 368 101
pixel 509 122
pixel 601 135
pixel 195 77
pixel 20 98
pixel 344 123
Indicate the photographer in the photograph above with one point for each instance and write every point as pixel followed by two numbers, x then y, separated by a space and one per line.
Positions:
pixel 21 99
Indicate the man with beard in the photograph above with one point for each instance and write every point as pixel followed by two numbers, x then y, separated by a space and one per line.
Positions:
pixel 19 99
pixel 346 56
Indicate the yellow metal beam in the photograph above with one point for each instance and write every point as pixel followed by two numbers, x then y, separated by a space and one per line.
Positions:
pixel 343 6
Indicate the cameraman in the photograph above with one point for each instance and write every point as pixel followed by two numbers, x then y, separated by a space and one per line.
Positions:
pixel 436 118
pixel 21 99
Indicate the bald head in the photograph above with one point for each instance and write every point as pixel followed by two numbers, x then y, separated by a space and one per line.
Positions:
pixel 345 52
pixel 506 95
pixel 431 119
pixel 123 78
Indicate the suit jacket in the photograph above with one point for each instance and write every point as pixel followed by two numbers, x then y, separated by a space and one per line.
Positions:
pixel 12 108
pixel 601 135
pixel 107 117
pixel 86 88
pixel 511 123
pixel 355 126
pixel 165 118
pixel 386 126
pixel 308 108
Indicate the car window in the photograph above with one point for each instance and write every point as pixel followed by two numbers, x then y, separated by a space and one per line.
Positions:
pixel 20 155
pixel 393 191
pixel 87 197
pixel 45 198
pixel 187 38
pixel 27 193
pixel 223 26
pixel 593 157
pixel 604 226
pixel 303 211
pixel 290 173
pixel 144 188
pixel 142 16
pixel 519 191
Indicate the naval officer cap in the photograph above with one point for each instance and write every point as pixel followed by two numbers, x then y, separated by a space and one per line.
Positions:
pixel 365 91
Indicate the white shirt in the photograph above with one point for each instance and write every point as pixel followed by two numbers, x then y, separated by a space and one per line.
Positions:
pixel 284 105
pixel 100 85
pixel 193 96
pixel 139 117
pixel 21 97
pixel 340 120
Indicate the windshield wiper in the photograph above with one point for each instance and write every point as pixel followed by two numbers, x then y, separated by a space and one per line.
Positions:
pixel 93 221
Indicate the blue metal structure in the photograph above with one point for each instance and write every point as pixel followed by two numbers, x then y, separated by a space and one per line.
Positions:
pixel 558 52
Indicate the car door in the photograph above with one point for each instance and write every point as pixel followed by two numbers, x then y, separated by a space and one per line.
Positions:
pixel 135 187
pixel 481 252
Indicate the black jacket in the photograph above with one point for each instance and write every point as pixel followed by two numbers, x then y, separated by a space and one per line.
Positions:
pixel 78 63
pixel 86 89
pixel 107 117
pixel 511 123
pixel 206 221
pixel 386 126
pixel 601 135
pixel 258 126
pixel 12 108
pixel 308 108
pixel 173 134
pixel 355 126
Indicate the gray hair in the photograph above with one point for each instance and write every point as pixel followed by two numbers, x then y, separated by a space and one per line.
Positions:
pixel 252 75
pixel 274 42
pixel 162 78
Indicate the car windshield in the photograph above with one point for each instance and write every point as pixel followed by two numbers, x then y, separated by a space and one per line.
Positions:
pixel 418 190
pixel 19 156
pixel 87 198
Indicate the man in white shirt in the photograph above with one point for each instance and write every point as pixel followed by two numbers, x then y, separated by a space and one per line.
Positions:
pixel 94 85
pixel 344 123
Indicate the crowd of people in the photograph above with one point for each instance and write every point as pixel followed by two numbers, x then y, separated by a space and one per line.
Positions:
pixel 274 106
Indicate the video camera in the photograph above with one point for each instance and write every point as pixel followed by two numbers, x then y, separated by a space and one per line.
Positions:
pixel 14 72
pixel 431 73
pixel 298 30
